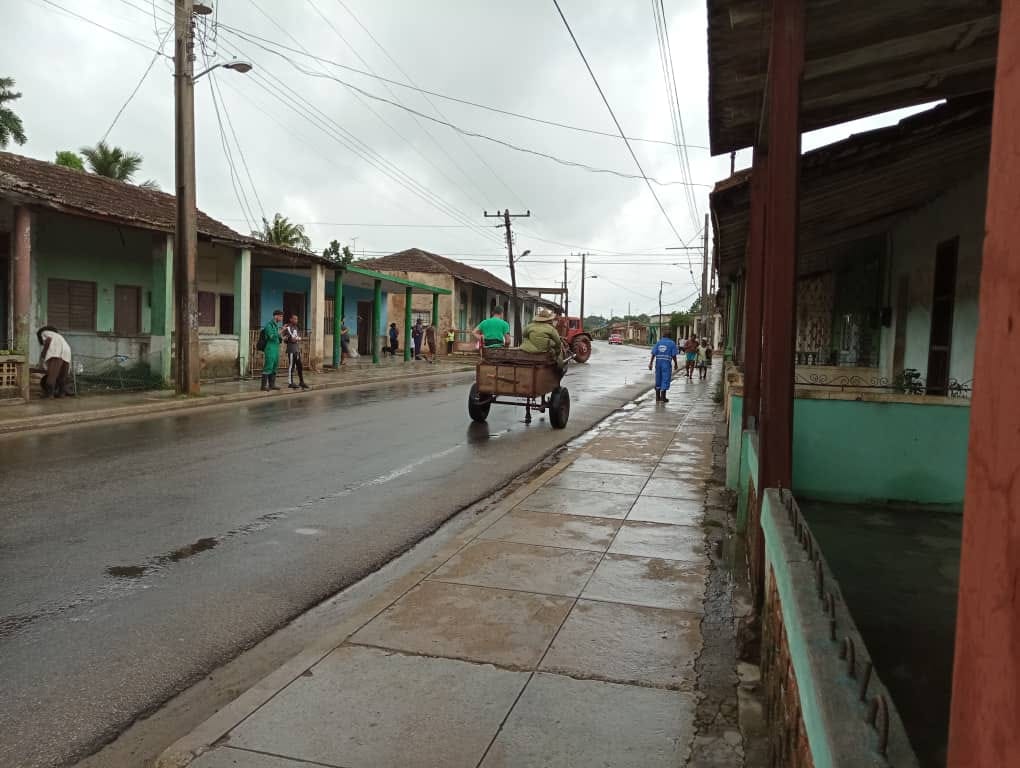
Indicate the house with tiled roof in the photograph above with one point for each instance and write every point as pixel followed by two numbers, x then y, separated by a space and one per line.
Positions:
pixel 474 292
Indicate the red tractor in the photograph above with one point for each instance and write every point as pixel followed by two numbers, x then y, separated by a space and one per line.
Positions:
pixel 571 330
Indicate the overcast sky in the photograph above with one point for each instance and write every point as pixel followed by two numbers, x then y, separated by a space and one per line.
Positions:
pixel 344 164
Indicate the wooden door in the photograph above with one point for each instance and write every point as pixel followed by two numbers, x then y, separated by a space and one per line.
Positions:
pixel 364 327
pixel 944 296
pixel 127 310
pixel 295 304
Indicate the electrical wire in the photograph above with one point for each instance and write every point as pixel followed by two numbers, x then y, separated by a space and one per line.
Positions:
pixel 87 20
pixel 134 91
pixel 476 135
pixel 252 38
pixel 237 143
pixel 235 179
pixel 617 122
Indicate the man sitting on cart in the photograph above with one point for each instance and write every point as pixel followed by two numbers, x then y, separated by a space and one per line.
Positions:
pixel 495 331
pixel 541 336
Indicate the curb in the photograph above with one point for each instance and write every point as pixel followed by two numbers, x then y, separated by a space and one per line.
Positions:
pixel 144 409
pixel 203 738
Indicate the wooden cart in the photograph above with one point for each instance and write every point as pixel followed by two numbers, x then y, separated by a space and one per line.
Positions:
pixel 513 377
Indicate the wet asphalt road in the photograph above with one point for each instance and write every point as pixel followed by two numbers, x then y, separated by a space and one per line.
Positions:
pixel 136 557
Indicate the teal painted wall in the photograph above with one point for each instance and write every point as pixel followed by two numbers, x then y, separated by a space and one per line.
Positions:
pixel 733 446
pixel 847 450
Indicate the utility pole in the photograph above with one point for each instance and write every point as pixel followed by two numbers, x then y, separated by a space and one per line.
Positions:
pixel 566 292
pixel 583 257
pixel 704 284
pixel 506 216
pixel 186 231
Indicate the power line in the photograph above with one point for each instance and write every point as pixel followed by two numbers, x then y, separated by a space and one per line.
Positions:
pixel 252 38
pixel 145 74
pixel 240 151
pixel 235 179
pixel 617 122
pixel 87 20
pixel 474 134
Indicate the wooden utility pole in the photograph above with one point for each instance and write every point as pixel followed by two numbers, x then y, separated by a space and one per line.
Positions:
pixel 506 216
pixel 186 231
pixel 583 257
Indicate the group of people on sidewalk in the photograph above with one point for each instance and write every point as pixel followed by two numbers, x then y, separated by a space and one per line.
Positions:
pixel 272 337
pixel 419 333
pixel 697 356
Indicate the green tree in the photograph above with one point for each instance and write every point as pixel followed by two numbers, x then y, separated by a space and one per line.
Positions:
pixel 342 256
pixel 69 159
pixel 112 162
pixel 10 124
pixel 282 232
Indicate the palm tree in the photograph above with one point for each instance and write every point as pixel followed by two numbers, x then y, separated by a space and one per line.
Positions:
pixel 112 162
pixel 10 123
pixel 282 232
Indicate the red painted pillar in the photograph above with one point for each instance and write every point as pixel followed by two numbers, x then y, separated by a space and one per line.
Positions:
pixel 754 292
pixel 23 289
pixel 983 726
pixel 786 66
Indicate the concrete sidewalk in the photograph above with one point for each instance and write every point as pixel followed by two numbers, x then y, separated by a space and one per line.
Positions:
pixel 566 627
pixel 44 414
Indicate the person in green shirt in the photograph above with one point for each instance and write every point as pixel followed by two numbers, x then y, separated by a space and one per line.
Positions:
pixel 540 336
pixel 272 351
pixel 495 331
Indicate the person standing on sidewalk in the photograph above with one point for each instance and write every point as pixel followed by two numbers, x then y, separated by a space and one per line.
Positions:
pixel 394 339
pixel 417 333
pixel 664 353
pixel 270 343
pixel 345 343
pixel 451 336
pixel 292 336
pixel 430 342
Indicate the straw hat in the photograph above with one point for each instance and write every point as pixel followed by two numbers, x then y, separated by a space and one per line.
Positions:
pixel 544 315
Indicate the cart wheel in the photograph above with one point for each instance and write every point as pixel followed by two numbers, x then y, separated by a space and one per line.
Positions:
pixel 478 410
pixel 559 407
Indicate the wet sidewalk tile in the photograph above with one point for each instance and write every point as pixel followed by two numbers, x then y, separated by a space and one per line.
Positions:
pixel 554 530
pixel 613 467
pixel 652 582
pixel 597 481
pixel 670 542
pixel 566 501
pixel 655 509
pixel 560 722
pixel 673 489
pixel 626 644
pixel 366 708
pixel 462 622
pixel 524 567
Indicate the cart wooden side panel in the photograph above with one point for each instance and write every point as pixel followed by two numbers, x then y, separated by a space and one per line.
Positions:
pixel 517 380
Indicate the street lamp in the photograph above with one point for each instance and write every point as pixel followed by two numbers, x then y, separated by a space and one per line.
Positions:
pixel 188 365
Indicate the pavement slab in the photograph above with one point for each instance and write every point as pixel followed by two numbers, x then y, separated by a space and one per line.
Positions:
pixel 598 481
pixel 626 644
pixel 554 530
pixel 512 629
pixel 656 509
pixel 566 501
pixel 670 542
pixel 648 581
pixel 561 722
pixel 674 489
pixel 366 708
pixel 613 467
pixel 524 567
pixel 228 757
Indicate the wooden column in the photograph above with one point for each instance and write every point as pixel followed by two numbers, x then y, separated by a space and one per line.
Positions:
pixel 786 66
pixel 754 291
pixel 23 293
pixel 983 725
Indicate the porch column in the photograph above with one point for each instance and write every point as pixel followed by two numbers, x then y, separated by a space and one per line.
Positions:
pixel 754 290
pixel 376 320
pixel 23 292
pixel 435 315
pixel 162 306
pixel 338 311
pixel 317 317
pixel 242 310
pixel 782 209
pixel 407 324
pixel 731 318
pixel 985 706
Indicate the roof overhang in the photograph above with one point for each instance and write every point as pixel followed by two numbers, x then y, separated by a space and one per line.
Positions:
pixel 855 188
pixel 861 58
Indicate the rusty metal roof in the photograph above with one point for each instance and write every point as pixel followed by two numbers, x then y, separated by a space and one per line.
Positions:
pixel 417 260
pixel 861 58
pixel 853 188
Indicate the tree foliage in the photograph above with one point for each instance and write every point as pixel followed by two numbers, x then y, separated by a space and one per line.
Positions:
pixel 281 231
pixel 112 162
pixel 69 159
pixel 342 256
pixel 11 126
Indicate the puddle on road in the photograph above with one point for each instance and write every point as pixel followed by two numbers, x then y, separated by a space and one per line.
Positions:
pixel 202 545
pixel 126 571
pixel 154 563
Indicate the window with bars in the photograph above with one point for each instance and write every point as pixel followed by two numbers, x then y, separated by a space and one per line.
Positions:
pixel 71 304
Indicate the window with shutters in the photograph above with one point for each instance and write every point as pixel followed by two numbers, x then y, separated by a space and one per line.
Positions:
pixel 206 308
pixel 71 305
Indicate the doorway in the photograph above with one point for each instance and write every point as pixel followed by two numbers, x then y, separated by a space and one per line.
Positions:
pixel 294 304
pixel 364 327
pixel 127 310
pixel 943 298
pixel 227 314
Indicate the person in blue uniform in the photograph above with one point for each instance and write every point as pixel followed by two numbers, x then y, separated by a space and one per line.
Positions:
pixel 664 354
